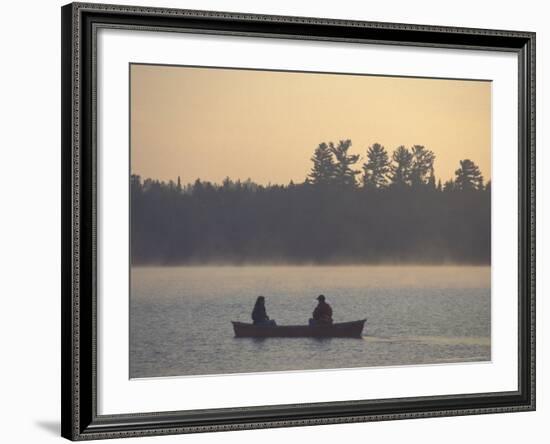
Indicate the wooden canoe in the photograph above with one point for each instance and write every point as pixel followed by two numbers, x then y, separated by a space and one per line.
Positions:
pixel 352 329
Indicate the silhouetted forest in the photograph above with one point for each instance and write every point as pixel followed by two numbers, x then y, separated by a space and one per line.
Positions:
pixel 383 208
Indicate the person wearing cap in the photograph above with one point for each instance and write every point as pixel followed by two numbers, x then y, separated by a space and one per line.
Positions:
pixel 259 314
pixel 323 311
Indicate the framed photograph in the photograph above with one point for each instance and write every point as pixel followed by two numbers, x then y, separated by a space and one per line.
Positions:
pixel 282 221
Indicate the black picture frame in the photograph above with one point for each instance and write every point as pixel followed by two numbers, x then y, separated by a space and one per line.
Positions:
pixel 80 420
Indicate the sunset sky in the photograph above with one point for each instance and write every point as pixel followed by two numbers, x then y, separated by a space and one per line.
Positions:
pixel 211 123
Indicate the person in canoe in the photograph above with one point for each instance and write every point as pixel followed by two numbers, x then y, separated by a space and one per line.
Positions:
pixel 259 314
pixel 322 313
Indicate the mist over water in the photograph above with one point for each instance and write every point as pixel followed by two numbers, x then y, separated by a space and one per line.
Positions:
pixel 180 317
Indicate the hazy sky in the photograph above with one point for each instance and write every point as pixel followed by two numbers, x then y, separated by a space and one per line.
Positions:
pixel 211 123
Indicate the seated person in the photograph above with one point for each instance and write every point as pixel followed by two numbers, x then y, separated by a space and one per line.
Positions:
pixel 259 315
pixel 322 313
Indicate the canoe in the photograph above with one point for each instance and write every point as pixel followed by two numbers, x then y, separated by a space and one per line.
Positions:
pixel 352 329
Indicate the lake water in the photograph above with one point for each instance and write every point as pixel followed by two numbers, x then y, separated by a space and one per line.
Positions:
pixel 180 317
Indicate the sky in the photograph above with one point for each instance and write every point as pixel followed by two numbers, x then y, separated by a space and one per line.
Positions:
pixel 212 123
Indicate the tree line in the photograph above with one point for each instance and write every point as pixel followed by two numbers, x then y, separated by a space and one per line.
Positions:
pixel 390 208
pixel 334 165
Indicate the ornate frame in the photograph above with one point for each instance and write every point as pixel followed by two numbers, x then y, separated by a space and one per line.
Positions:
pixel 80 420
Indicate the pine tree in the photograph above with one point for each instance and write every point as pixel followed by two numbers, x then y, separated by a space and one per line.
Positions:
pixel 422 165
pixel 227 184
pixel 377 168
pixel 323 170
pixel 344 174
pixel 135 181
pixel 431 179
pixel 401 167
pixel 468 176
pixel 449 185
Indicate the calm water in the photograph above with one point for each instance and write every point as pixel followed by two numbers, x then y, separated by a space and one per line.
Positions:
pixel 180 317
